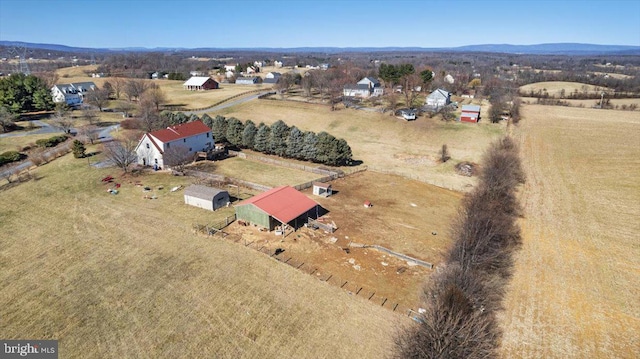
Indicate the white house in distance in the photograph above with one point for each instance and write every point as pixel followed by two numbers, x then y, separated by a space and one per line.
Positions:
pixel 272 77
pixel 366 87
pixel 206 197
pixel 438 98
pixel 71 94
pixel 193 136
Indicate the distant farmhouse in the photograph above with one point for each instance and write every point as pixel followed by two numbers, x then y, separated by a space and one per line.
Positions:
pixel 200 83
pixel 272 78
pixel 192 136
pixel 438 98
pixel 72 94
pixel 248 80
pixel 366 87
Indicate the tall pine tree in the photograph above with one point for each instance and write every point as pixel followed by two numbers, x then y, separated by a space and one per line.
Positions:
pixel 278 138
pixel 235 129
pixel 261 141
pixel 249 134
pixel 295 143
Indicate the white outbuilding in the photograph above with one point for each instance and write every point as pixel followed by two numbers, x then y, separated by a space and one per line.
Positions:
pixel 206 197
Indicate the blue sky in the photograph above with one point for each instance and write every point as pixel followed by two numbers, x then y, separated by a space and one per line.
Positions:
pixel 296 23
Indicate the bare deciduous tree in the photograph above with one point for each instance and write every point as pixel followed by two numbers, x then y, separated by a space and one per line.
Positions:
pixel 155 96
pixel 89 132
pixel 177 157
pixel 98 98
pixel 121 152
pixel 134 88
pixel 90 115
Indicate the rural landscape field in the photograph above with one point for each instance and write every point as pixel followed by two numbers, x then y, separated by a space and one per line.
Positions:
pixel 284 180
pixel 574 293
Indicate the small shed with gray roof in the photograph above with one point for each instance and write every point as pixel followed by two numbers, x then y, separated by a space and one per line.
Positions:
pixel 206 197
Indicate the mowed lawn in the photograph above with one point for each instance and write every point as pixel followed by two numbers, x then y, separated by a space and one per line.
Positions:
pixel 121 276
pixel 261 173
pixel 383 142
pixel 576 288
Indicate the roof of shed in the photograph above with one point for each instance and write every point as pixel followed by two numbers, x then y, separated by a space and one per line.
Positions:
pixel 282 203
pixel 470 108
pixel 202 192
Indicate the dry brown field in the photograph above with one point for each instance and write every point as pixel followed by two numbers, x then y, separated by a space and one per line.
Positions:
pixel 385 143
pixel 121 276
pixel 575 291
pixel 591 103
pixel 176 95
pixel 554 88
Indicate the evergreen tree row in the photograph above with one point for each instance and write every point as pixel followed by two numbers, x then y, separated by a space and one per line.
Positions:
pixel 277 139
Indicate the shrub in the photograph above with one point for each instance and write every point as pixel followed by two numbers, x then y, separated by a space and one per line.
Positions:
pixel 9 156
pixel 51 141
pixel 78 149
pixel 130 124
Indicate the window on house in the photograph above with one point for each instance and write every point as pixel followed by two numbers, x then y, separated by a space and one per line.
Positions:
pixel 190 149
pixel 148 146
pixel 207 134
pixel 184 140
pixel 168 145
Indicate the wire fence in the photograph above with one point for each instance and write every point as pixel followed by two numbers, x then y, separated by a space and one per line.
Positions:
pixel 424 179
pixel 351 287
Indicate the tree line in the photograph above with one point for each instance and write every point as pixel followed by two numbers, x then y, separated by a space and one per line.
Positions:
pixel 464 297
pixel 278 139
pixel 281 140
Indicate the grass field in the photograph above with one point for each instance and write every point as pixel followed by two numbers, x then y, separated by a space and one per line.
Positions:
pixel 261 173
pixel 554 88
pixel 121 276
pixel 18 142
pixel 575 292
pixel 384 142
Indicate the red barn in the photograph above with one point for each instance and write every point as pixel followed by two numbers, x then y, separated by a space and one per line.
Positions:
pixel 200 83
pixel 470 113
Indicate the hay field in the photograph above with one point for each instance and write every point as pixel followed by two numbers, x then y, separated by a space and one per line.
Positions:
pixel 575 291
pixel 176 95
pixel 553 88
pixel 590 103
pixel 383 142
pixel 120 276
pixel 258 172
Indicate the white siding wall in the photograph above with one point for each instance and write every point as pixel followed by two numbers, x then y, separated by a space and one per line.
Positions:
pixel 148 153
pixel 198 202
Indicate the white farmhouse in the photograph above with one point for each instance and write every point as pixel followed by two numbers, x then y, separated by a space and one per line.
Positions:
pixel 192 136
pixel 72 94
pixel 438 98
pixel 366 87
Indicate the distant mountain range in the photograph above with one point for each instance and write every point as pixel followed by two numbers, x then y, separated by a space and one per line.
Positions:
pixel 539 49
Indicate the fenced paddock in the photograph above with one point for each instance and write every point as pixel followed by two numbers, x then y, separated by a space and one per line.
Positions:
pixel 351 287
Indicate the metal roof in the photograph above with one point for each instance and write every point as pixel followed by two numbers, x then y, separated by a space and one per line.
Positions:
pixel 282 203
pixel 177 132
pixel 470 108
pixel 202 192
pixel 196 81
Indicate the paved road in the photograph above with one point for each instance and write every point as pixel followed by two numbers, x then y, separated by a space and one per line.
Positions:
pixel 228 104
pixel 44 128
